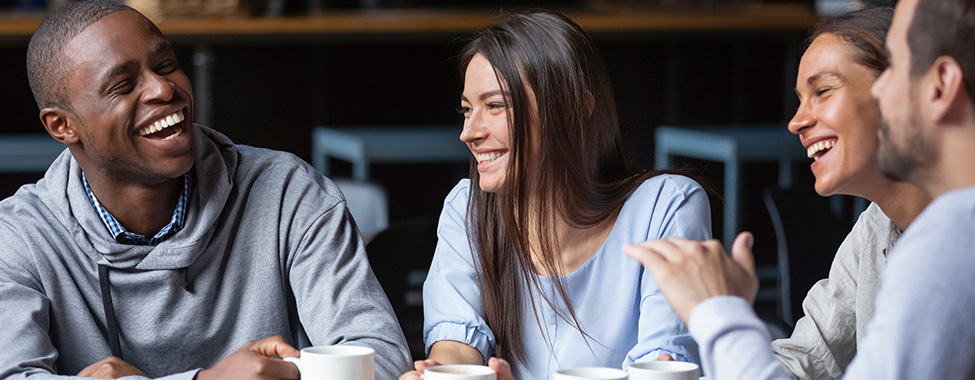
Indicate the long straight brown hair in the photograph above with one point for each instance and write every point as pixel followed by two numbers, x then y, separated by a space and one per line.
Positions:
pixel 566 162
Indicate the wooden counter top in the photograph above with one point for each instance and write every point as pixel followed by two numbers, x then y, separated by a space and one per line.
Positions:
pixel 741 17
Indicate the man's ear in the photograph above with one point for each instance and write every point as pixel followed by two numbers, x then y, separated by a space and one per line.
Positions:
pixel 948 95
pixel 59 124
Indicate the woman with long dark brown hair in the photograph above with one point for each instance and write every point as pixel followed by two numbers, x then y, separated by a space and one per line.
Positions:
pixel 529 265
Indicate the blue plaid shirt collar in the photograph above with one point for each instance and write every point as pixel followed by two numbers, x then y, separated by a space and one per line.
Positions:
pixel 126 237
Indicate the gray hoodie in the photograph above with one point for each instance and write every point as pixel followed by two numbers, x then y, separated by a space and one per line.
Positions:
pixel 268 248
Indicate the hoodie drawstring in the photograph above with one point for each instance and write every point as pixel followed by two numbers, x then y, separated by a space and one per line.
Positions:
pixel 187 284
pixel 113 336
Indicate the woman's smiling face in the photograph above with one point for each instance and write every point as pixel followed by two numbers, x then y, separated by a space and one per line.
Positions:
pixel 837 119
pixel 486 123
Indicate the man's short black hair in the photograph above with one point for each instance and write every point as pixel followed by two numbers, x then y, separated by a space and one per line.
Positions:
pixel 47 67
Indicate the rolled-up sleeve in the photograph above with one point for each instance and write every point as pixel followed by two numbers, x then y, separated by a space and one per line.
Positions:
pixel 452 305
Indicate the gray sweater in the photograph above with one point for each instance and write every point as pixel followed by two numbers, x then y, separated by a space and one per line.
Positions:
pixel 268 248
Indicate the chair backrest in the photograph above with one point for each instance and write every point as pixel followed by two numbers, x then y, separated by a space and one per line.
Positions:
pixel 400 257
pixel 807 235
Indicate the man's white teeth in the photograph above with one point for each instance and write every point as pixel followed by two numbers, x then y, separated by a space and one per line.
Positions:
pixel 819 148
pixel 487 157
pixel 163 123
pixel 173 136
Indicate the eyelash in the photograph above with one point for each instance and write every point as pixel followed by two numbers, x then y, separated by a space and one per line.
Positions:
pixel 465 110
pixel 822 91
pixel 167 67
pixel 122 88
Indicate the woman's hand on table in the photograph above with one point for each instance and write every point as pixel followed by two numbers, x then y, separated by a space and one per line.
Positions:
pixel 500 366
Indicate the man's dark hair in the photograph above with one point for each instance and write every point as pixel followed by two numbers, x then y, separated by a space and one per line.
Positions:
pixel 865 31
pixel 47 67
pixel 943 28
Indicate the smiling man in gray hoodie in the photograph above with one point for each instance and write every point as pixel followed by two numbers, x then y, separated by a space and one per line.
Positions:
pixel 157 248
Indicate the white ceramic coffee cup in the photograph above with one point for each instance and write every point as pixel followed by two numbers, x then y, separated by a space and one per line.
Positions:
pixel 336 362
pixel 589 373
pixel 664 370
pixel 459 372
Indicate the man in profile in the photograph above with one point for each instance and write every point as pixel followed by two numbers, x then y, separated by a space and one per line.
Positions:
pixel 158 248
pixel 922 328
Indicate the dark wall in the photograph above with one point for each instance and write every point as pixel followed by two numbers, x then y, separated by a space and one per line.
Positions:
pixel 271 95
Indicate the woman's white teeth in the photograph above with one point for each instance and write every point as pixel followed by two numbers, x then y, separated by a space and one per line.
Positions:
pixel 819 148
pixel 163 123
pixel 487 157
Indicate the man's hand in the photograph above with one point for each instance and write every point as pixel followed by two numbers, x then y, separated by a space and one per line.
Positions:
pixel 689 272
pixel 110 368
pixel 255 360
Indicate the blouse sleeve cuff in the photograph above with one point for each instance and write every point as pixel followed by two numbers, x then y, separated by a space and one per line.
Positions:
pixel 468 335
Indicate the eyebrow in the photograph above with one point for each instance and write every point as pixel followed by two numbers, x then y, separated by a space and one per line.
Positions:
pixel 815 77
pixel 126 66
pixel 163 46
pixel 484 95
pixel 120 69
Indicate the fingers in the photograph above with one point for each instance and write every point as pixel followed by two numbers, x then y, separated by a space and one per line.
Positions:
pixel 89 370
pixel 274 346
pixel 673 250
pixel 741 252
pixel 412 375
pixel 422 365
pixel 280 369
pixel 110 368
pixel 664 358
pixel 645 255
pixel 502 368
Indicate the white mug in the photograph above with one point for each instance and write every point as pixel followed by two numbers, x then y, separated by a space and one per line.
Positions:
pixel 336 362
pixel 589 373
pixel 459 372
pixel 664 370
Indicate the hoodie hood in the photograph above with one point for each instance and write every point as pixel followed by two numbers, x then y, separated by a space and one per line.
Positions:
pixel 64 194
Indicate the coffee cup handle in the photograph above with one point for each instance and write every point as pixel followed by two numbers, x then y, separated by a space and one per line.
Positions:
pixel 294 360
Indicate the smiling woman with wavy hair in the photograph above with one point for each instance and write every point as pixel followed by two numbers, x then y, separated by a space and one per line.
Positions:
pixel 529 266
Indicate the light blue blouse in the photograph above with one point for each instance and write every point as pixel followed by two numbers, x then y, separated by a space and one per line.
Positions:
pixel 616 301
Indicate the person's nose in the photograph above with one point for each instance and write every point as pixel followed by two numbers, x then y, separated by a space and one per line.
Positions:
pixel 802 120
pixel 474 129
pixel 158 88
